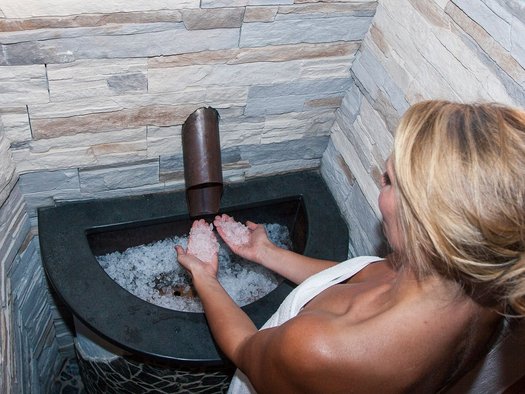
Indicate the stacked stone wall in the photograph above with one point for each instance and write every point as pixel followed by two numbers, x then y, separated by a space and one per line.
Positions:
pixel 103 90
pixel 457 50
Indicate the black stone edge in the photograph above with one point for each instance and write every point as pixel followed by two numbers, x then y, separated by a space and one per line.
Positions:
pixel 148 329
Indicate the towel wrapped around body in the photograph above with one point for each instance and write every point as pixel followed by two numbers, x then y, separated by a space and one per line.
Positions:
pixel 298 298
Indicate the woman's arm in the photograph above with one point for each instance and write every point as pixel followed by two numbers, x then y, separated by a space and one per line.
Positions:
pixel 228 323
pixel 293 266
pixel 261 250
pixel 265 356
pixel 287 358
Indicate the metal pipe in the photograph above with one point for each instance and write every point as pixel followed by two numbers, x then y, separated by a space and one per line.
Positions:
pixel 202 162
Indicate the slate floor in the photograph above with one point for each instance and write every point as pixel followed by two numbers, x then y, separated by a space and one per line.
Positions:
pixel 68 381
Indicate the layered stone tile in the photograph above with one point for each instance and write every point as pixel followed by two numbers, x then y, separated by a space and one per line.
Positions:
pixel 364 228
pixel 507 61
pixel 163 140
pixel 241 3
pixel 308 30
pixel 97 78
pixel 213 18
pixel 86 20
pixel 112 41
pixel 34 182
pixel 83 150
pixel 23 85
pixel 30 8
pixel 492 16
pixel 292 96
pixel 78 117
pixel 119 177
pixel 274 53
pixel 15 123
pixel 7 173
pixel 260 14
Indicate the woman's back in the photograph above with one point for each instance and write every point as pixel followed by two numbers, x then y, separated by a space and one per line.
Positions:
pixel 383 330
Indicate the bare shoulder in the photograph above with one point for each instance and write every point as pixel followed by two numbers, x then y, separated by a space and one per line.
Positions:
pixel 324 353
pixel 394 350
pixel 365 336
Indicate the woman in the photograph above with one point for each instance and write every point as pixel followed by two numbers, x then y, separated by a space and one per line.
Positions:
pixel 453 206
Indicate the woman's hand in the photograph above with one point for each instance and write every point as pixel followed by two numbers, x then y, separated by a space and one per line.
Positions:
pixel 201 257
pixel 195 266
pixel 250 242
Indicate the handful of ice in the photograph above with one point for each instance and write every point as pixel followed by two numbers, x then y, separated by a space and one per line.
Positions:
pixel 152 272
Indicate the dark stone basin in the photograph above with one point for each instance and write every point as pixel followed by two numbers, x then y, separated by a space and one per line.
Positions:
pixel 72 233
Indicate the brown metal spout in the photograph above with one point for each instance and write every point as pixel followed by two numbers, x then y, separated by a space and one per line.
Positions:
pixel 201 150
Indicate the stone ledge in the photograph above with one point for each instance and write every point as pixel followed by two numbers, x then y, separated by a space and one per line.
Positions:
pixel 53 8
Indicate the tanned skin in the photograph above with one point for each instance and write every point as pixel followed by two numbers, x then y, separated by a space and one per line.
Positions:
pixel 380 331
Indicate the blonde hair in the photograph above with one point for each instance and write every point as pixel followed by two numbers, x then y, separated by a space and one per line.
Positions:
pixel 460 176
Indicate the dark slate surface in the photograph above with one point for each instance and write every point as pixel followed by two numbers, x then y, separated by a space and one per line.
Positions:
pixel 147 329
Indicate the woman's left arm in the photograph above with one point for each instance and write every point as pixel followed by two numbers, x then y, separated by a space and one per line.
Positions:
pixel 256 353
pixel 230 326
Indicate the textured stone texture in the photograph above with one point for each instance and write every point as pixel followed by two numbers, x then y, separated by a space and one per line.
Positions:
pixel 457 50
pixel 28 335
pixel 23 85
pixel 363 225
pixel 109 75
pixel 29 8
pixel 15 124
pixel 216 18
pixel 106 372
pixel 308 30
pixel 260 14
pixel 48 180
pixel 7 172
pixel 150 39
pixel 275 53
pixel 96 78
pixel 230 3
pixel 109 178
pixel 32 322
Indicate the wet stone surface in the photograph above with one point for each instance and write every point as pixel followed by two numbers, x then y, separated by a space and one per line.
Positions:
pixel 122 375
pixel 69 380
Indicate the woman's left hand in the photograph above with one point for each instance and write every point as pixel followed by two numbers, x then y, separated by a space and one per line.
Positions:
pixel 195 266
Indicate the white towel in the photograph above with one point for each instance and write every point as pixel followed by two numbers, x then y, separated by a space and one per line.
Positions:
pixel 298 298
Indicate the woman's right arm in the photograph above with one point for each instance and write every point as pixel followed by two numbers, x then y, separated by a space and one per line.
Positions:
pixel 261 250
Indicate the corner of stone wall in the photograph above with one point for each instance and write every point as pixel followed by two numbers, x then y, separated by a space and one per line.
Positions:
pixel 30 354
pixel 363 225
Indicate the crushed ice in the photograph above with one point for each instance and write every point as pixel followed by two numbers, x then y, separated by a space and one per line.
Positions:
pixel 152 272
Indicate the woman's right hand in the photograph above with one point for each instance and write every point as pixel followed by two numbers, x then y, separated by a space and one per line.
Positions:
pixel 250 242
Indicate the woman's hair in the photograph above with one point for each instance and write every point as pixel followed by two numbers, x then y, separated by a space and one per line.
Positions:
pixel 460 175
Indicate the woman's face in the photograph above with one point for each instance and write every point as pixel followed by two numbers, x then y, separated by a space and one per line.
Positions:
pixel 387 206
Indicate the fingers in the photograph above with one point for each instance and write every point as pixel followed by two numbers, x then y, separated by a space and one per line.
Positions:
pixel 198 223
pixel 180 251
pixel 220 219
pixel 251 225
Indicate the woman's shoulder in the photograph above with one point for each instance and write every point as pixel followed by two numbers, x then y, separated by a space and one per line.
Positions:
pixel 358 355
pixel 380 340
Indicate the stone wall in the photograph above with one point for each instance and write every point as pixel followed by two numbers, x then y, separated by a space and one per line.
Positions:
pixel 458 50
pixel 92 98
pixel 31 350
pixel 108 92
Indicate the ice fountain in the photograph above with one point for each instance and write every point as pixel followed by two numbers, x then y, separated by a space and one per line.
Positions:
pixel 124 343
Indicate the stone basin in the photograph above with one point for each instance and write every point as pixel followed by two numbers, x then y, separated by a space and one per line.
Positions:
pixel 72 233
